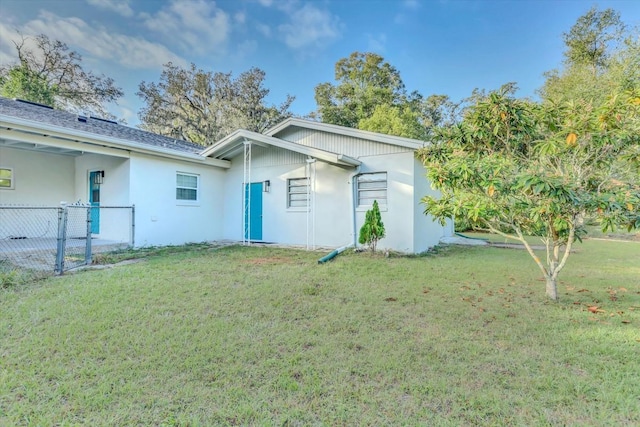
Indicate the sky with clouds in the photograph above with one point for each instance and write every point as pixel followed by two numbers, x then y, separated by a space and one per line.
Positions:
pixel 440 47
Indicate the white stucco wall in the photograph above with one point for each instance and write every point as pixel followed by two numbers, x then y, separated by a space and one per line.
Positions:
pixel 163 220
pixel 39 178
pixel 115 188
pixel 150 184
pixel 331 224
pixel 427 231
pixel 408 229
pixel 398 214
pixel 115 224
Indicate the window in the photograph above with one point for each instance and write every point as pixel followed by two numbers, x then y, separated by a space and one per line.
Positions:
pixel 187 187
pixel 6 178
pixel 372 186
pixel 298 193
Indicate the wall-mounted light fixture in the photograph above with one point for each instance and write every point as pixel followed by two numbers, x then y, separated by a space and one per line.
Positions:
pixel 266 186
pixel 98 177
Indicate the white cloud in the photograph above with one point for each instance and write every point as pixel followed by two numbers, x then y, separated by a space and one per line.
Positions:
pixel 376 43
pixel 131 52
pixel 123 114
pixel 7 48
pixel 246 48
pixel 265 3
pixel 120 7
pixel 411 4
pixel 310 26
pixel 264 29
pixel 198 25
pixel 240 17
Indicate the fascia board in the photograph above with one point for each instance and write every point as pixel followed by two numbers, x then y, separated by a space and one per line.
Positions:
pixel 230 143
pixel 92 141
pixel 48 141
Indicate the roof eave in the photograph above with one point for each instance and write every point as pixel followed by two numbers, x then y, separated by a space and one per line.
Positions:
pixel 413 144
pixel 230 143
pixel 102 140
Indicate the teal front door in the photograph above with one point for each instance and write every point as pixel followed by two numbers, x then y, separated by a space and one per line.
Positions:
pixel 94 200
pixel 253 211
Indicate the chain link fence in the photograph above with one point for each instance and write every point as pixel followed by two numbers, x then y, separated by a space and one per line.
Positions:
pixel 37 241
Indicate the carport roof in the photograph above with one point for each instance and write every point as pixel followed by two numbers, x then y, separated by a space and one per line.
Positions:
pixel 79 123
pixel 232 145
pixel 35 127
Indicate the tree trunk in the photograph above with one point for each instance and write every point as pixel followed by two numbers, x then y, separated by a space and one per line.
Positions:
pixel 552 288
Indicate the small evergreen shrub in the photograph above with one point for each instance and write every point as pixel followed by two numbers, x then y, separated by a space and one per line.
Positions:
pixel 373 229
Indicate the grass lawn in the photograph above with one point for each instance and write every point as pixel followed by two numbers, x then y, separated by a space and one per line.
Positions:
pixel 265 336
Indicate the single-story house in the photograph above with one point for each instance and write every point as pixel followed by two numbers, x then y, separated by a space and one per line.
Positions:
pixel 299 183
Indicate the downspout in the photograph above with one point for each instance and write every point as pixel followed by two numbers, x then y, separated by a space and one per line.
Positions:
pixel 331 255
pixel 354 204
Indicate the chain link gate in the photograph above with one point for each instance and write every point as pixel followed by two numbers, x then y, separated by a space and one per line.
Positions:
pixel 44 239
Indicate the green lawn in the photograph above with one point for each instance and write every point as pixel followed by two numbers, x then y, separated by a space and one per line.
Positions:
pixel 264 336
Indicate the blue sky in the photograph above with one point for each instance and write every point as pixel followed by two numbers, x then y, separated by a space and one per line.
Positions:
pixel 440 47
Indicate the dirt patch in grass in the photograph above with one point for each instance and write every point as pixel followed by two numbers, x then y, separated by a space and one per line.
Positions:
pixel 516 246
pixel 268 260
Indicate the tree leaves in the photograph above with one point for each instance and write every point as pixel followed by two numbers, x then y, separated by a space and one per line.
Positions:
pixel 51 74
pixel 538 169
pixel 203 107
pixel 369 94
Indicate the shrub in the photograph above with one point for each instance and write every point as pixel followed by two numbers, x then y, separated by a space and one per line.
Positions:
pixel 373 229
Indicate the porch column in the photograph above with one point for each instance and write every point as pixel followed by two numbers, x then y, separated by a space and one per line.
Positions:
pixel 246 194
pixel 311 203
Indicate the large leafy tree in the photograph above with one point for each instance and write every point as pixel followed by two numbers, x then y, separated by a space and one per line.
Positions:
pixel 364 81
pixel 48 72
pixel 394 120
pixel 519 168
pixel 202 106
pixel 589 40
pixel 415 117
pixel 369 94
pixel 600 57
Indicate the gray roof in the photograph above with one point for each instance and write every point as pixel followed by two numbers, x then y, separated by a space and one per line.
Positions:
pixel 43 114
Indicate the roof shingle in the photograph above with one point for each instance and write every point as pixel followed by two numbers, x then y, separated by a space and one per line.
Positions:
pixel 43 114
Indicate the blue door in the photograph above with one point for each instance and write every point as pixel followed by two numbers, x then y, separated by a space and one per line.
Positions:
pixel 253 200
pixel 94 200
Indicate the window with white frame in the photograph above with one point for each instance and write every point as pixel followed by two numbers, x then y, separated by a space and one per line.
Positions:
pixel 370 187
pixel 6 178
pixel 187 187
pixel 298 192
